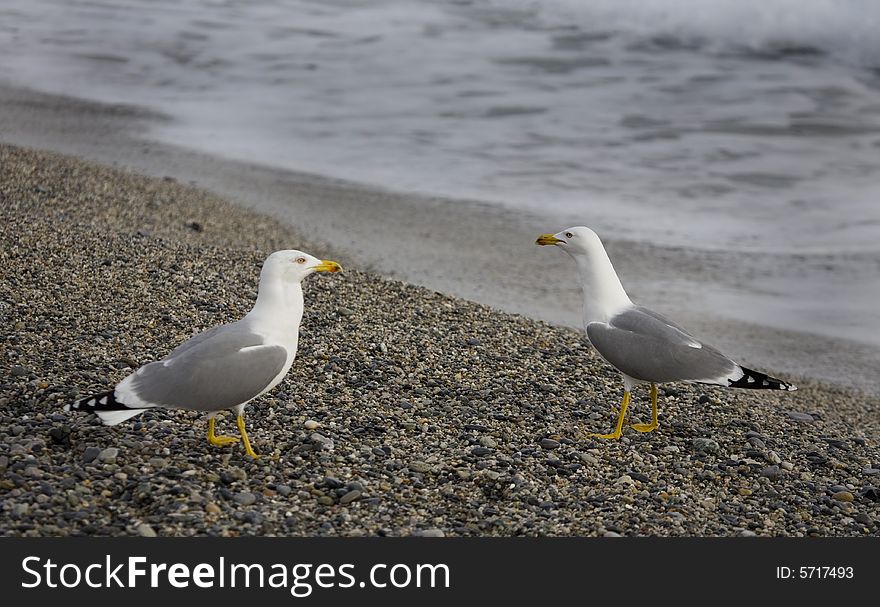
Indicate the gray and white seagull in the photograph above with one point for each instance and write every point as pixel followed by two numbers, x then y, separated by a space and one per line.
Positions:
pixel 224 367
pixel 643 345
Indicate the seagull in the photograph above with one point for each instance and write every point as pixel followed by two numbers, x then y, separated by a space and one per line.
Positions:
pixel 224 367
pixel 646 347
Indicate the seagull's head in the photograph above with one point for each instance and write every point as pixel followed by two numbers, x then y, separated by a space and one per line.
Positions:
pixel 575 241
pixel 292 266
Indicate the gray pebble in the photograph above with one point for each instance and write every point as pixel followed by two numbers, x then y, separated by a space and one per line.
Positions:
pixel 108 455
pixel 90 454
pixel 244 498
pixel 350 497
pixel 144 530
pixel 433 532
pixel 706 445
pixel 549 443
pixel 419 466
pixel 321 441
pixel 772 472
pixel 804 418
pixel 488 441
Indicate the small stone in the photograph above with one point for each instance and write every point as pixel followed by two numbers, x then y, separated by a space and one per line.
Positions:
pixel 706 445
pixel 433 532
pixel 144 530
pixel 588 458
pixel 311 424
pixel 108 455
pixel 871 493
pixel 284 490
pixel 19 510
pixel 704 399
pixel 245 498
pixel 325 500
pixel 19 371
pixel 212 508
pixel 488 441
pixel 670 449
pixel 774 458
pixel 626 479
pixel 419 466
pixel 869 471
pixel 747 533
pixel 549 443
pixel 843 496
pixel 803 418
pixel 480 451
pixel 787 466
pixel 611 534
pixel 331 482
pixel 350 497
pixel 745 492
pixel 237 473
pixel 252 517
pixel 346 312
pixel 756 442
pixel 321 441
pixel 90 454
pixel 156 462
pixel 864 519
pixel 60 436
pixel 772 472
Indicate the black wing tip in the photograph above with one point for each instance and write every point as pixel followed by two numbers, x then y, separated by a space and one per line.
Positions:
pixel 104 401
pixel 755 380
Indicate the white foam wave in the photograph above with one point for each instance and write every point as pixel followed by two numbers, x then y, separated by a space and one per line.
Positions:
pixel 845 29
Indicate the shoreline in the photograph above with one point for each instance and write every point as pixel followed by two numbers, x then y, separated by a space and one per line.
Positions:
pixel 436 415
pixel 468 249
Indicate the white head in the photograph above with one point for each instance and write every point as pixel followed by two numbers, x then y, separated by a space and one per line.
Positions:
pixel 292 266
pixel 576 241
pixel 603 294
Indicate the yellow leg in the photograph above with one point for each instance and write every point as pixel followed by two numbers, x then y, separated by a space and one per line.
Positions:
pixel 619 429
pixel 654 422
pixel 244 438
pixel 219 441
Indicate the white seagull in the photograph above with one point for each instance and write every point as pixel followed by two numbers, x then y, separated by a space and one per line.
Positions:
pixel 226 366
pixel 643 345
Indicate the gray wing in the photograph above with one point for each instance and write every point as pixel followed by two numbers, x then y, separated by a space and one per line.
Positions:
pixel 200 337
pixel 224 369
pixel 646 346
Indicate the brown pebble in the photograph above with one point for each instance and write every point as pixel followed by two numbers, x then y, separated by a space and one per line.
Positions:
pixel 843 496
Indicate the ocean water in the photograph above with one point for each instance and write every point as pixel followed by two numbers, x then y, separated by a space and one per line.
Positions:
pixel 733 125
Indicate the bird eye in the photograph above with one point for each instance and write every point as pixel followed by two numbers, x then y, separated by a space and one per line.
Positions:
pixel 569 235
pixel 300 260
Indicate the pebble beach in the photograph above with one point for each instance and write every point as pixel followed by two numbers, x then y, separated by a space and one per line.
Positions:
pixel 406 412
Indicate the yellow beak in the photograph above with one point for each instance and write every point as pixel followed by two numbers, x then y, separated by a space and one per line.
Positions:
pixel 545 239
pixel 328 266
